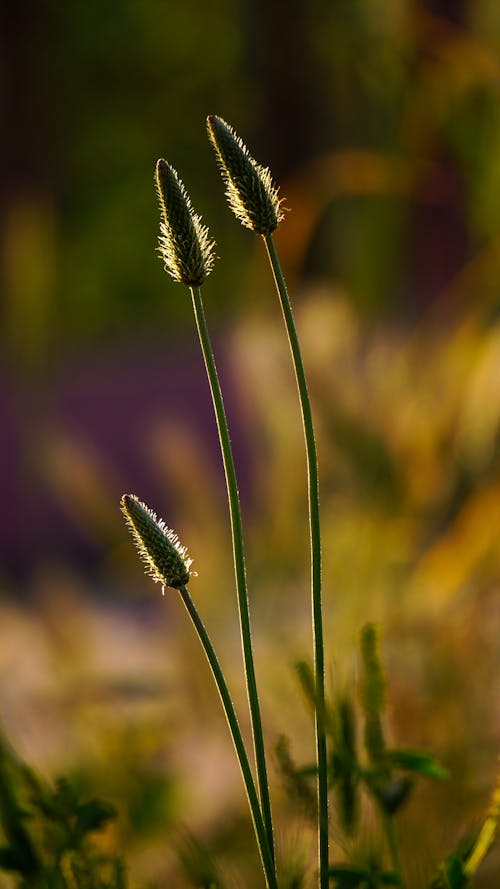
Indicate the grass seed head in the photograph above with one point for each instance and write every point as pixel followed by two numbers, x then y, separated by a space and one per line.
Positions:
pixel 159 547
pixel 185 244
pixel 250 190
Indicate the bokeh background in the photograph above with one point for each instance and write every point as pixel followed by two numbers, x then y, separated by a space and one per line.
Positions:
pixel 380 119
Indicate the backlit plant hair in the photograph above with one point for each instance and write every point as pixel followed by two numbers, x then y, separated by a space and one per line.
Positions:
pixel 159 547
pixel 184 243
pixel 250 190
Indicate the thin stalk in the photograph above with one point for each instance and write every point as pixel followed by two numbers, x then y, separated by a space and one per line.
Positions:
pixel 315 541
pixel 239 746
pixel 393 846
pixel 239 565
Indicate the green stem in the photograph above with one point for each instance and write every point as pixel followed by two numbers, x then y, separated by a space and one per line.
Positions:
pixel 314 525
pixel 393 846
pixel 239 564
pixel 232 720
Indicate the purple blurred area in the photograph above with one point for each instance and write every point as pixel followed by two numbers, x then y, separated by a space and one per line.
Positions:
pixel 69 449
pixel 383 134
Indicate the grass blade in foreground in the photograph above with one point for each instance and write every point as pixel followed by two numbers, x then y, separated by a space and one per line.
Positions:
pixel 168 563
pixel 188 256
pixel 254 200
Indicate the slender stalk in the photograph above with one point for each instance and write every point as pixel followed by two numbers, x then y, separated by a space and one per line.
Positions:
pixel 239 564
pixel 314 525
pixel 393 846
pixel 232 720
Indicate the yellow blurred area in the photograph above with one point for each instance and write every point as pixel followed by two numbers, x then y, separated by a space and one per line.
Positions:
pixel 407 426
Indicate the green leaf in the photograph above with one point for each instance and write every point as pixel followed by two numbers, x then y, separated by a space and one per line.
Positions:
pixel 452 873
pixel 417 761
pixel 455 875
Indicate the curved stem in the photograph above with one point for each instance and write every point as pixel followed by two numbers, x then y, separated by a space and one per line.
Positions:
pixel 232 720
pixel 315 540
pixel 239 564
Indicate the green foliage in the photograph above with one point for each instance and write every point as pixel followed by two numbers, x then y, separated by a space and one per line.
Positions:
pixel 381 775
pixel 416 761
pixel 19 853
pixel 452 874
pixel 378 775
pixel 70 819
pixel 47 833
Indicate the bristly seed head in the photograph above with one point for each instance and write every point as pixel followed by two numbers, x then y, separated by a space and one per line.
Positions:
pixel 185 244
pixel 250 191
pixel 160 549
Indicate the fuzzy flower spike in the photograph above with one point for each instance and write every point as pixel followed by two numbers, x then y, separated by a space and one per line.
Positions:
pixel 185 244
pixel 160 549
pixel 250 190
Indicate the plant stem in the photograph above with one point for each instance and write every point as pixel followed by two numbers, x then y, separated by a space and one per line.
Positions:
pixel 232 720
pixel 239 565
pixel 393 846
pixel 315 540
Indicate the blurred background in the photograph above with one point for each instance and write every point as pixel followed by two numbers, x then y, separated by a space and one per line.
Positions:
pixel 380 120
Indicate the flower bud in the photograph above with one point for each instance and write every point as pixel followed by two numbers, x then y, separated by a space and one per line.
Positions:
pixel 160 549
pixel 250 191
pixel 185 244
